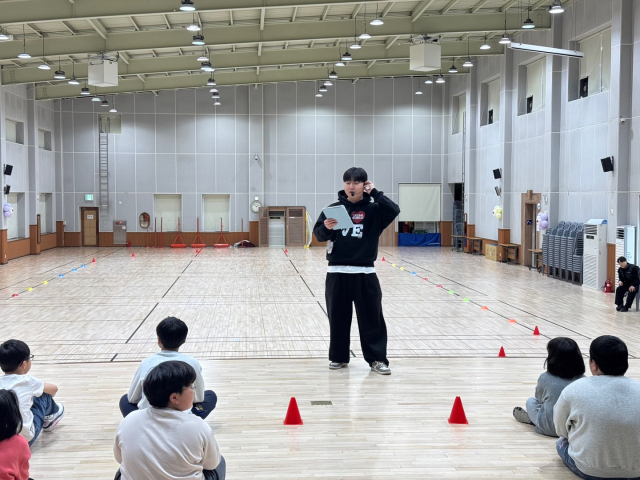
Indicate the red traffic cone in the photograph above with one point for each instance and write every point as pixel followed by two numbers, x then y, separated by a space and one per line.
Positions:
pixel 293 414
pixel 536 331
pixel 439 286
pixel 14 295
pixel 93 261
pixel 513 320
pixel 383 259
pixel 286 250
pixel 501 353
pixel 133 255
pixel 426 279
pixel 484 308
pixel 457 413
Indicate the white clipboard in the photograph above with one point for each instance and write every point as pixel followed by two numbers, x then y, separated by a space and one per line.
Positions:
pixel 340 214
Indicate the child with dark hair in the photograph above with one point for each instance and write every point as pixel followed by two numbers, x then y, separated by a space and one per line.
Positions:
pixel 564 365
pixel 38 409
pixel 172 333
pixel 161 442
pixel 14 449
pixel 351 275
pixel 597 417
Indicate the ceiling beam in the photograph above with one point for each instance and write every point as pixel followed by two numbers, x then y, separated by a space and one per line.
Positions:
pixel 135 25
pixel 478 6
pixel 390 41
pixel 420 9
pixel 262 14
pixel 236 78
pixel 260 58
pixel 98 27
pixel 295 12
pixel 241 35
pixel 539 4
pixel 448 6
pixel 508 5
pixel 387 8
pixel 356 10
pixel 325 12
pixel 68 27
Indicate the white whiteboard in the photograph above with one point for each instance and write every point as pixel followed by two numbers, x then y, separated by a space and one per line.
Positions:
pixel 419 202
pixel 169 208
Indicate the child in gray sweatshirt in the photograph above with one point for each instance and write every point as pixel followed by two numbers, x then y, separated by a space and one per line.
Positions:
pixel 564 365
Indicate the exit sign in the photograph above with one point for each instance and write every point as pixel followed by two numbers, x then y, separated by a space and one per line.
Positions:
pixel 88 198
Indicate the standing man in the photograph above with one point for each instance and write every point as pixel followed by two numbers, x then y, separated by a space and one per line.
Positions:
pixel 351 276
pixel 628 282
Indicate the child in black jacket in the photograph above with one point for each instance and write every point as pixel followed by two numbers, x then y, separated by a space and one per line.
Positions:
pixel 351 276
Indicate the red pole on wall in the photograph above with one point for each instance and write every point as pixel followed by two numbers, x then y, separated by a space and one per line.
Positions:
pixel 161 237
pixel 155 232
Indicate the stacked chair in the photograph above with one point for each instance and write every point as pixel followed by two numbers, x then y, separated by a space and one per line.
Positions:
pixel 562 251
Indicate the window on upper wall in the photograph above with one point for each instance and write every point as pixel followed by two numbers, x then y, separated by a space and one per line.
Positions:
pixel 12 223
pixel 14 131
pixel 535 81
pixel 595 66
pixel 44 140
pixel 45 211
pixel 459 110
pixel 490 102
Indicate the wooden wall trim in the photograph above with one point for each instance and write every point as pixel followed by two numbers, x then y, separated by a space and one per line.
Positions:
pixel 72 239
pixel 18 248
pixel 60 233
pixel 3 247
pixel 471 232
pixel 34 246
pixel 48 241
pixel 612 265
pixel 446 229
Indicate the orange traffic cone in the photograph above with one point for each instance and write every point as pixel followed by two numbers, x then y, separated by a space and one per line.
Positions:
pixel 293 414
pixel 536 331
pixel 484 308
pixel 457 413
pixel 512 320
pixel 501 353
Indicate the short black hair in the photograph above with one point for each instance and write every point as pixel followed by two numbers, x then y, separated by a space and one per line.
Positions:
pixel 356 174
pixel 12 354
pixel 610 354
pixel 564 358
pixel 10 416
pixel 621 259
pixel 166 379
pixel 172 332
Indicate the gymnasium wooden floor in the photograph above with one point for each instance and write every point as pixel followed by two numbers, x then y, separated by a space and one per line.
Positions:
pixel 257 323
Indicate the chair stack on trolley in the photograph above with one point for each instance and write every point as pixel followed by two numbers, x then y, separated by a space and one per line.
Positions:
pixel 562 251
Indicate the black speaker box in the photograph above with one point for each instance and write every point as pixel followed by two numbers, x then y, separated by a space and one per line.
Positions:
pixel 497 174
pixel 607 164
pixel 8 169
pixel 7 189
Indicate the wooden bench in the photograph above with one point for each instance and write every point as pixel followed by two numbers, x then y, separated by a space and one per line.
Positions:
pixel 508 247
pixel 475 241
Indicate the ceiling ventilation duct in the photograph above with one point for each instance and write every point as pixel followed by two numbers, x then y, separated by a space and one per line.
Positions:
pixel 103 70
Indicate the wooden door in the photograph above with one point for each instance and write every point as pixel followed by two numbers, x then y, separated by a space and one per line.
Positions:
pixel 263 227
pixel 296 222
pixel 89 227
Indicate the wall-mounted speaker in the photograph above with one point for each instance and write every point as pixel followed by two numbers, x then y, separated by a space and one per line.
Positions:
pixel 497 173
pixel 498 191
pixel 530 104
pixel 607 164
pixel 8 169
pixel 7 189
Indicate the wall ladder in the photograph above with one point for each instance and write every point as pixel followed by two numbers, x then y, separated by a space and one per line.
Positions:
pixel 104 170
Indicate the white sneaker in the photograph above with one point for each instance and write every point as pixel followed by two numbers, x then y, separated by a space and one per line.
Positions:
pixel 337 365
pixel 50 421
pixel 380 368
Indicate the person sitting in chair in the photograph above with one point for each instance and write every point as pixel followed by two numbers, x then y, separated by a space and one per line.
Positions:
pixel 629 282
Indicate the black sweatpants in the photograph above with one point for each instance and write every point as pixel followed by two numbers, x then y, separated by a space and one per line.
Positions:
pixel 620 291
pixel 363 289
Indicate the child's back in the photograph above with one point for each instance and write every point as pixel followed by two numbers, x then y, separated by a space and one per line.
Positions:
pixel 547 393
pixel 25 387
pixel 14 458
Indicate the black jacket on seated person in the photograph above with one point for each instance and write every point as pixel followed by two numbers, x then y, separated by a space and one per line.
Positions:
pixel 629 276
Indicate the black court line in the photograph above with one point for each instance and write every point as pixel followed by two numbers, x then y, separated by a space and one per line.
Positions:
pixel 307 286
pixel 144 320
pixel 352 354
pixel 325 312
pixel 113 358
pixel 185 268
pixel 294 266
pixel 446 278
pixel 165 293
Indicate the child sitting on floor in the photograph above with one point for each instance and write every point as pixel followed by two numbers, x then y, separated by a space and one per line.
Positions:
pixel 172 333
pixel 564 365
pixel 39 410
pixel 14 449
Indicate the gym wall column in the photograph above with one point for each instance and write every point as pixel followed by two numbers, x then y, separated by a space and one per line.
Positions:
pixel 620 107
pixel 552 127
pixel 3 160
pixel 470 145
pixel 509 95
pixel 31 140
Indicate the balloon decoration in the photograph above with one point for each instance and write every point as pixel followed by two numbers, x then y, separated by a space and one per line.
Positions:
pixel 542 221
pixel 497 212
pixel 7 210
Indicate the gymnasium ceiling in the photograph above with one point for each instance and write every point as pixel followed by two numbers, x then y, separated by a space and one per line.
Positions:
pixel 247 41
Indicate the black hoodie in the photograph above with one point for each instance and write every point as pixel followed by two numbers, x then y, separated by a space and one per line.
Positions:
pixel 358 246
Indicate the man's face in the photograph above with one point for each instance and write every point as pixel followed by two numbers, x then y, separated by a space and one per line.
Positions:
pixel 623 265
pixel 353 188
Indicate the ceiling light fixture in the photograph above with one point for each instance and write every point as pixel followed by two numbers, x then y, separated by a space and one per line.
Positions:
pixel 553 51
pixel 104 103
pixel 322 88
pixel 328 83
pixel 418 91
pixel 440 79
pixel 187 6
pixel 528 23
pixel 44 66
pixel 378 20
pixel 24 53
pixel 197 40
pixel 453 68
pixel 556 7
pixel 193 26
pixel 364 35
pixel 346 57
pixel 485 45
pixel 95 99
pixel 318 94
pixel 4 36
pixel 217 103
pixel 505 40
pixel 428 81
pixel 215 95
pixel 203 58
pixel 85 90
pixel 211 82
pixel 113 109
pixel 206 66
pixel 74 81
pixel 59 74
pixel 468 63
pixel 333 74
pixel 355 45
